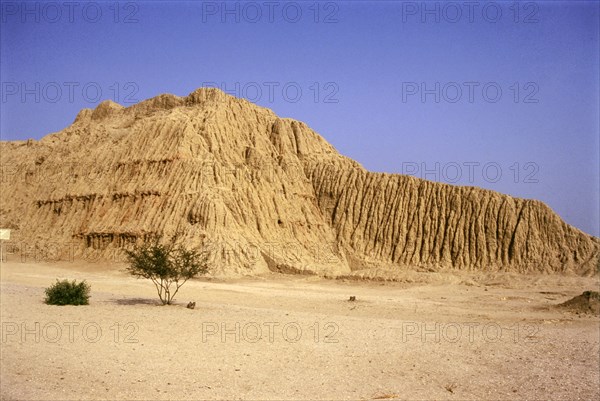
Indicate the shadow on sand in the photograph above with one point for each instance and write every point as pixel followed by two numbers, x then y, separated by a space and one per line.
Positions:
pixel 136 301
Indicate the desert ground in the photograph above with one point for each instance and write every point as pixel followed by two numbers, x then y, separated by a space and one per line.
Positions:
pixel 430 336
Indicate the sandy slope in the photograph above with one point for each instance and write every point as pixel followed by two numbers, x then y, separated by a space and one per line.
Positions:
pixel 374 347
pixel 260 193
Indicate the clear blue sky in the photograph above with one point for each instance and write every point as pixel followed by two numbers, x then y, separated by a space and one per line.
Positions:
pixel 398 86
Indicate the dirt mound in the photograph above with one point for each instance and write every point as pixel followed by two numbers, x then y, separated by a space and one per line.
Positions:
pixel 588 302
pixel 261 193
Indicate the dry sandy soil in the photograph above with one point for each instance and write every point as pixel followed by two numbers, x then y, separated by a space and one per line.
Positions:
pixel 441 336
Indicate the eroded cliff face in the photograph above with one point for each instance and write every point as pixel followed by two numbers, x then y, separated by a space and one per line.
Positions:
pixel 260 193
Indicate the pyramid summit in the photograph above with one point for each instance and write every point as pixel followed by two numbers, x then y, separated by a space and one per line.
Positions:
pixel 262 193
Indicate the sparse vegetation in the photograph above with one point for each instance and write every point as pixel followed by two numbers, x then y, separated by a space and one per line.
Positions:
pixel 450 387
pixel 588 302
pixel 169 266
pixel 66 292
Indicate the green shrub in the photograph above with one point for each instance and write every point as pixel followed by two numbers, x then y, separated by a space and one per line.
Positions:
pixel 68 293
pixel 168 266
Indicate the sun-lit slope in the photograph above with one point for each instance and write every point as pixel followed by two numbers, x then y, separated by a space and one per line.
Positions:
pixel 262 193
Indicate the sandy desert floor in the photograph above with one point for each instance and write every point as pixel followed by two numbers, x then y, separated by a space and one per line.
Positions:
pixel 443 336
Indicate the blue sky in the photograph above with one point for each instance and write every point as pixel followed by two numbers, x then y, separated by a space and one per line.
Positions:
pixel 501 95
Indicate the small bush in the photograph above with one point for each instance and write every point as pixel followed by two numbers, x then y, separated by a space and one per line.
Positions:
pixel 169 266
pixel 68 293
